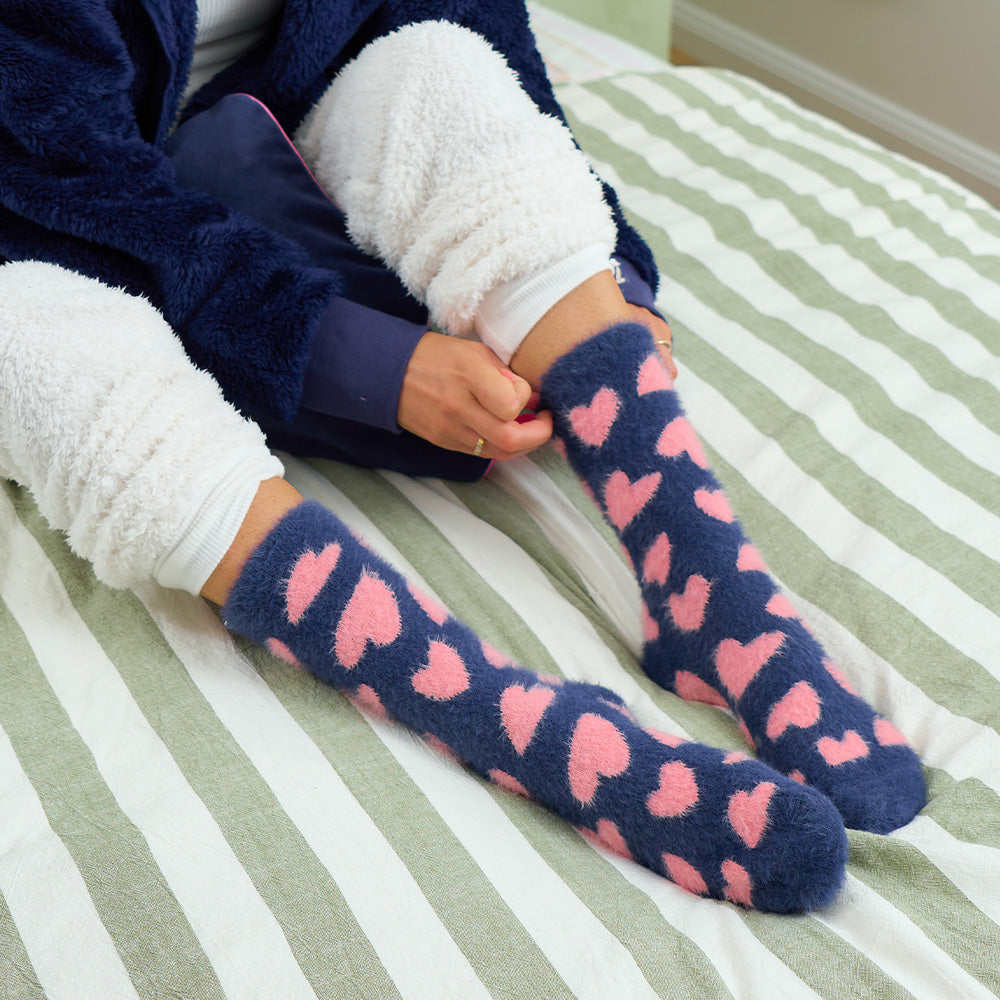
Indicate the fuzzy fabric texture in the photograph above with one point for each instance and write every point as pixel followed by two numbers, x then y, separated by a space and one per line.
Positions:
pixel 88 94
pixel 717 824
pixel 107 422
pixel 717 627
pixel 479 192
pixel 83 112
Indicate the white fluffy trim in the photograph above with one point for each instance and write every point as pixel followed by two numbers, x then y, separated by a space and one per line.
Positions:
pixel 123 442
pixel 448 172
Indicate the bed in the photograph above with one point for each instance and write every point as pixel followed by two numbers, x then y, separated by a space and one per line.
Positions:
pixel 183 816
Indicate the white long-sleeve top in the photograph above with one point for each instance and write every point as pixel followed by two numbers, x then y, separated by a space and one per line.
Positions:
pixel 226 30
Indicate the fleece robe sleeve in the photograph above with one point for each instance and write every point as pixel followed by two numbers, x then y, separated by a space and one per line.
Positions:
pixel 83 184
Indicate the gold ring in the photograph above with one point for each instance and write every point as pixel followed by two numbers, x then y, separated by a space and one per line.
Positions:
pixel 478 450
pixel 666 343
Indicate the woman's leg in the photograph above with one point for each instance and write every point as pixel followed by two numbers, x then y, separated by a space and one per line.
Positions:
pixel 139 452
pixel 104 417
pixel 446 170
pixel 716 626
pixel 448 173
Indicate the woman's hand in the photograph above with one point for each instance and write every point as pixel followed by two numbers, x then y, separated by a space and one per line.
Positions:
pixel 456 392
pixel 661 331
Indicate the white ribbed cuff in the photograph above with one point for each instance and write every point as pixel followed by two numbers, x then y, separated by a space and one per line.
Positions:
pixel 214 526
pixel 508 312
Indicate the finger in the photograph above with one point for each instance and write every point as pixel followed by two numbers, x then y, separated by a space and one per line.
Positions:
pixel 501 392
pixel 479 449
pixel 503 440
pixel 667 357
pixel 537 432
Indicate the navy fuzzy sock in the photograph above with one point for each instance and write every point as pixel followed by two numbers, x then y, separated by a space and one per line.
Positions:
pixel 717 824
pixel 717 629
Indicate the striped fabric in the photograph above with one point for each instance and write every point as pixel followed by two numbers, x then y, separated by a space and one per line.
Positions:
pixel 181 815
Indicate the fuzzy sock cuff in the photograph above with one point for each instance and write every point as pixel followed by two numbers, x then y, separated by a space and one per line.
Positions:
pixel 599 357
pixel 447 170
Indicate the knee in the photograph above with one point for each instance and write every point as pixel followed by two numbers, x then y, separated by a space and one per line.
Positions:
pixel 456 62
pixel 406 86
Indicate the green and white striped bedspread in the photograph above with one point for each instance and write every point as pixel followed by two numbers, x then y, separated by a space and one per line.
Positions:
pixel 183 816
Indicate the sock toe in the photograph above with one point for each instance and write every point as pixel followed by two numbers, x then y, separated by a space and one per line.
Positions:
pixel 883 798
pixel 807 855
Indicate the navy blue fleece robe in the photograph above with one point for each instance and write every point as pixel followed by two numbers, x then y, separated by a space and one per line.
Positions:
pixel 89 92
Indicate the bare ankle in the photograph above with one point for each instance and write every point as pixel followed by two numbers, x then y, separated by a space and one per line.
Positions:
pixel 274 498
pixel 590 308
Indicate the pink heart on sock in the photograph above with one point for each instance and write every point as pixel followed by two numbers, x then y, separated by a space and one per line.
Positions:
pixel 678 791
pixel 624 499
pixel 692 688
pixel 371 615
pixel 684 874
pixel 444 676
pixel 887 734
pixel 738 885
pixel 592 423
pixel 439 746
pixel 715 504
pixel 653 376
pixel 608 836
pixel 306 580
pixel 656 565
pixel 508 783
pixel 750 559
pixel 277 648
pixel 366 699
pixel 799 707
pixel 437 613
pixel 650 630
pixel 597 750
pixel 667 739
pixel 837 674
pixel 849 747
pixel 679 437
pixel 493 655
pixel 739 664
pixel 748 812
pixel 688 609
pixel 521 710
pixel 781 607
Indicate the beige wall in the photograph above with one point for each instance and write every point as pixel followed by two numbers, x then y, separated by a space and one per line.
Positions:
pixel 645 23
pixel 921 75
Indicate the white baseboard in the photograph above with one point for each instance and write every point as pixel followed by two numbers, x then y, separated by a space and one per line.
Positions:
pixel 925 140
